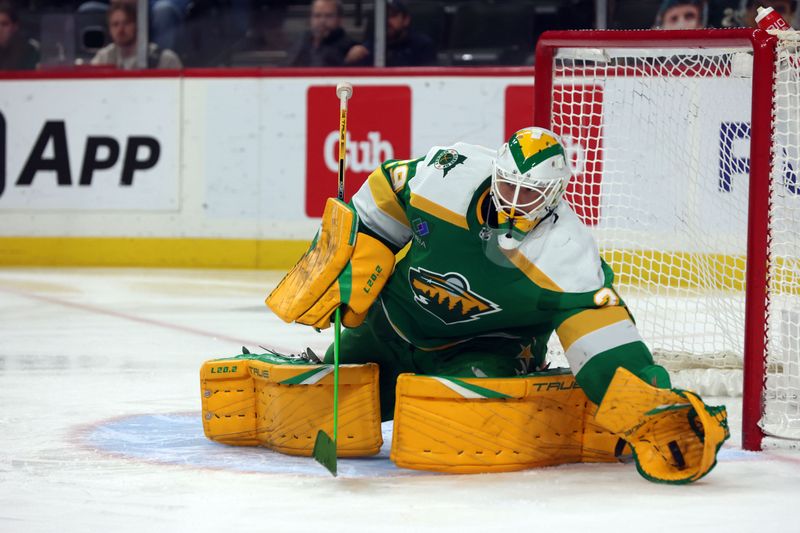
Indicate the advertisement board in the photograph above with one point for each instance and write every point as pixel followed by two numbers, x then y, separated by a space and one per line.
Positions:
pixel 379 129
pixel 251 157
pixel 90 145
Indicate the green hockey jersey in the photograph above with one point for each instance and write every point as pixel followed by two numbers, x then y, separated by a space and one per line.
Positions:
pixel 455 284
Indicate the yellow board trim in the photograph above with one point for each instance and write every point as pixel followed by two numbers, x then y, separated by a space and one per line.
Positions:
pixel 532 271
pixel 703 272
pixel 631 268
pixel 385 198
pixel 150 252
pixel 588 321
pixel 677 269
pixel 439 211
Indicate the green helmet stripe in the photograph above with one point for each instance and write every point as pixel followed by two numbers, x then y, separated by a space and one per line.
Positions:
pixel 523 164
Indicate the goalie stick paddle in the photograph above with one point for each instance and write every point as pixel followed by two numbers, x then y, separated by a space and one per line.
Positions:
pixel 324 446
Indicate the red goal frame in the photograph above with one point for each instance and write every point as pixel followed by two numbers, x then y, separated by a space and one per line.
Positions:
pixel 757 275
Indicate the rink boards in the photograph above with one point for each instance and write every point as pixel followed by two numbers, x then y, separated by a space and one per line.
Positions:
pixel 231 168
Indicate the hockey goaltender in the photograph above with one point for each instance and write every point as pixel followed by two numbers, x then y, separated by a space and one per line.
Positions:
pixel 451 341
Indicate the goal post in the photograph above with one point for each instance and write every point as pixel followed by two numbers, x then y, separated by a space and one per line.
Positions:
pixel 756 289
pixel 702 233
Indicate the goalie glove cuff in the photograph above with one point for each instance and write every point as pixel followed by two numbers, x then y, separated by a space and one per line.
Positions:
pixel 674 435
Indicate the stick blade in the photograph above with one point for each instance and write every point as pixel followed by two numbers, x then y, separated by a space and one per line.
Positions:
pixel 325 451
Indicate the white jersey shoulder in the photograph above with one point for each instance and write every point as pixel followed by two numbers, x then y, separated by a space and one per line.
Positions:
pixel 449 175
pixel 562 248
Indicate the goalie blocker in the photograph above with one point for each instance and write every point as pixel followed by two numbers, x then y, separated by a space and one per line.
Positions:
pixel 342 267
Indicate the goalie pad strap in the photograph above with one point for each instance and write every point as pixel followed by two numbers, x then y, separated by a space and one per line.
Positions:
pixel 467 425
pixel 255 402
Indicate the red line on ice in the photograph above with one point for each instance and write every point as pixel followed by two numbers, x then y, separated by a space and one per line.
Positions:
pixel 132 318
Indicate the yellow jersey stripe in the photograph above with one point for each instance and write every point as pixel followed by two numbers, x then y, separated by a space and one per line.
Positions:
pixel 478 206
pixel 439 211
pixel 533 272
pixel 373 217
pixel 385 198
pixel 585 322
pixel 601 340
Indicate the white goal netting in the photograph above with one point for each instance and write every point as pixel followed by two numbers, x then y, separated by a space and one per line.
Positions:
pixel 782 397
pixel 659 140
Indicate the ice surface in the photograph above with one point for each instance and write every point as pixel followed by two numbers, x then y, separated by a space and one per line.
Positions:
pixel 100 431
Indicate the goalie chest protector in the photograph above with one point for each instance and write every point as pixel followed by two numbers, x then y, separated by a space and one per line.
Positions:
pixel 447 287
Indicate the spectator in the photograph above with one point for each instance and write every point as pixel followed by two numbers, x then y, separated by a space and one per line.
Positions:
pixel 16 52
pixel 325 44
pixel 784 8
pixel 682 15
pixel 122 50
pixel 166 17
pixel 404 46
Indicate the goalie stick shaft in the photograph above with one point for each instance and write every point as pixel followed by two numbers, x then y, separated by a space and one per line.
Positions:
pixel 344 91
pixel 325 447
pixel 343 96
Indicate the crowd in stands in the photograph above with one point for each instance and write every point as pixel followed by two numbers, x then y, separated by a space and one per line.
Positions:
pixel 326 33
pixel 327 44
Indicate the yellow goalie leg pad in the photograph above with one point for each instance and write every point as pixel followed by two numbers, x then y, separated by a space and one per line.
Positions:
pixel 471 425
pixel 674 435
pixel 254 402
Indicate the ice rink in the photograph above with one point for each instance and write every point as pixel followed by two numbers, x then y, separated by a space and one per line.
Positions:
pixel 100 431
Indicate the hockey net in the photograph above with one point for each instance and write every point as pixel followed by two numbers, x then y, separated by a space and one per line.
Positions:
pixel 659 136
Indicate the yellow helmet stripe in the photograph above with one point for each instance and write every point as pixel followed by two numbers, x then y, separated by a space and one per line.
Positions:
pixel 529 151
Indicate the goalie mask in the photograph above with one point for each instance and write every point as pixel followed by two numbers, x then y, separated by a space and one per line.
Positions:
pixel 529 178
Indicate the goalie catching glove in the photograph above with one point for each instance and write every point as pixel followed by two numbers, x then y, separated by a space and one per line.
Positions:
pixel 674 435
pixel 341 267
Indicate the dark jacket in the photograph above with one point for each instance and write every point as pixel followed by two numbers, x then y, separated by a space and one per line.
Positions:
pixel 330 53
pixel 415 49
pixel 20 54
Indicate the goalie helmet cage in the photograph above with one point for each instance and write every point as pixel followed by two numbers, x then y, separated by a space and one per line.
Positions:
pixel 657 123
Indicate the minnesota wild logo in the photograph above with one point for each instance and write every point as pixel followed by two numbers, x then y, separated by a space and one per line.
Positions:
pixel 446 159
pixel 448 296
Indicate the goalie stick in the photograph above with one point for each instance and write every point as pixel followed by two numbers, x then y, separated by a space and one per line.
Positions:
pixel 324 446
